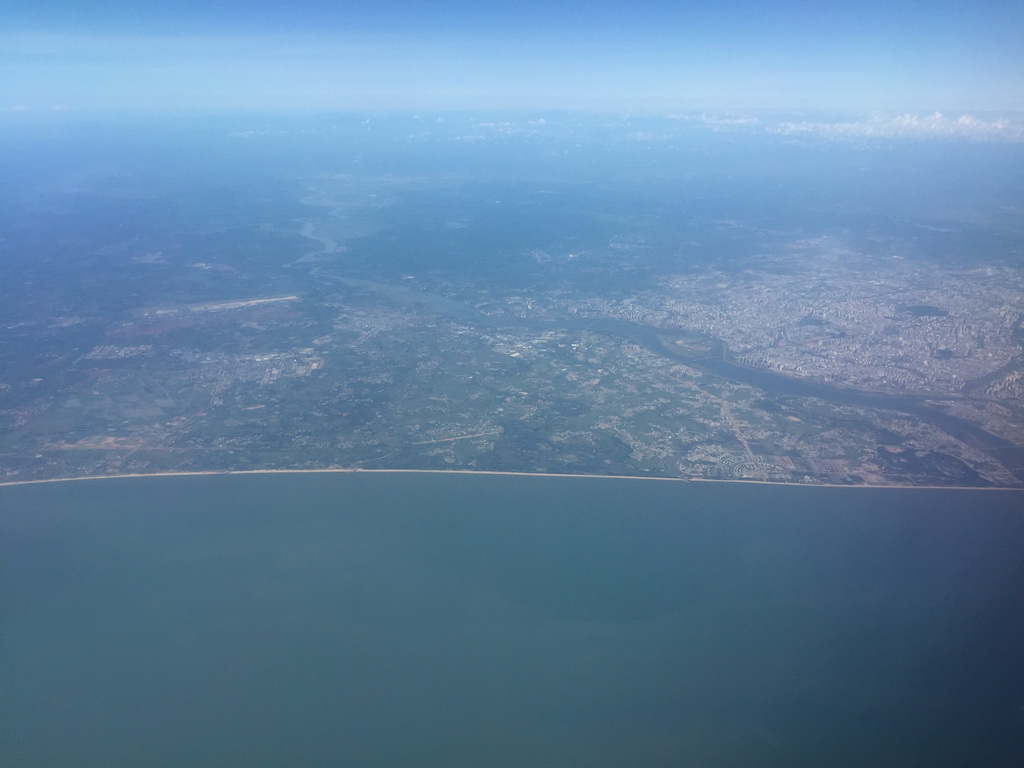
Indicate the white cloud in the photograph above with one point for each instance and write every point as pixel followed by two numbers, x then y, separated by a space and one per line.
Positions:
pixel 726 120
pixel 935 125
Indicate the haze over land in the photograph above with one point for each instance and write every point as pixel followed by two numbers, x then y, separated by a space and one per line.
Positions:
pixel 825 301
pixel 733 240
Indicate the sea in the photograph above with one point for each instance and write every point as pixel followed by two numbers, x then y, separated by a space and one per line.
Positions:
pixel 459 619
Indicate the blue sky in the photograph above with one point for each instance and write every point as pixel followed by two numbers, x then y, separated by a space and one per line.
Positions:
pixel 114 55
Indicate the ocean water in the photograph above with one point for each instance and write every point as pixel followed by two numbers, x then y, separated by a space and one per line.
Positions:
pixel 382 619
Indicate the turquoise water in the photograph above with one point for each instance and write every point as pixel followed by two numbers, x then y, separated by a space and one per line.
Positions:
pixel 456 620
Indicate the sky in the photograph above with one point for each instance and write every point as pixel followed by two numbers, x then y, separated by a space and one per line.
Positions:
pixel 307 56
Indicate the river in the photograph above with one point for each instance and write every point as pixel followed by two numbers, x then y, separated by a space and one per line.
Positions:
pixel 718 364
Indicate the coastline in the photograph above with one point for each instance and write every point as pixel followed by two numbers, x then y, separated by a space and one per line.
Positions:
pixel 356 470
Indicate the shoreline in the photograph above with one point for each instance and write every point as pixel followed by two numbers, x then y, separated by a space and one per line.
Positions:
pixel 356 470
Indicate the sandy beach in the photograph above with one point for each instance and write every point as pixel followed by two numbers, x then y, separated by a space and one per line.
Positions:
pixel 346 470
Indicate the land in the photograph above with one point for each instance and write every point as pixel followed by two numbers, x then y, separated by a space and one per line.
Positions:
pixel 330 350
